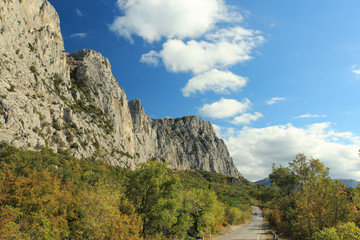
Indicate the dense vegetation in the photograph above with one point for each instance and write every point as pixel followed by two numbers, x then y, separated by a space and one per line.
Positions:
pixel 304 203
pixel 47 195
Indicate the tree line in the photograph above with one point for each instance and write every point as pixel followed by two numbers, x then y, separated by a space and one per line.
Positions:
pixel 303 202
pixel 47 195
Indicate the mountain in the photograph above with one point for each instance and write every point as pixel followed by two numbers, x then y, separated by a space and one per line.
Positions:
pixel 263 182
pixel 349 182
pixel 49 98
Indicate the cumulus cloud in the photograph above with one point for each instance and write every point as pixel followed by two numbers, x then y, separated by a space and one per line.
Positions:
pixel 225 108
pixel 154 19
pixel 78 35
pixel 224 48
pixel 311 116
pixel 274 100
pixel 194 40
pixel 255 149
pixel 214 80
pixel 356 69
pixel 246 118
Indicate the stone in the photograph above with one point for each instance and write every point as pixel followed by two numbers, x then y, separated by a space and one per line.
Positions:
pixel 49 98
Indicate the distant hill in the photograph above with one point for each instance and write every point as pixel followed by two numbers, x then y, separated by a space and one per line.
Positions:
pixel 349 182
pixel 263 182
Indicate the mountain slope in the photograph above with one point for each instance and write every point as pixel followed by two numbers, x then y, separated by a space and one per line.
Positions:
pixel 72 101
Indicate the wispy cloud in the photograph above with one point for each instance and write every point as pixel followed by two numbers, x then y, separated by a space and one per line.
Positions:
pixel 151 58
pixel 356 69
pixel 79 13
pixel 275 100
pixel 79 35
pixel 311 116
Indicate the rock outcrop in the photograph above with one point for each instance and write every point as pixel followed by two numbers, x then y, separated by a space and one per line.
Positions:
pixel 72 101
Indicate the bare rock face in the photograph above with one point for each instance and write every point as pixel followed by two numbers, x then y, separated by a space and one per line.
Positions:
pixel 182 143
pixel 72 101
pixel 191 143
pixel 31 56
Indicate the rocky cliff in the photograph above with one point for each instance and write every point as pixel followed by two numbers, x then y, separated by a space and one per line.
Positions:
pixel 72 101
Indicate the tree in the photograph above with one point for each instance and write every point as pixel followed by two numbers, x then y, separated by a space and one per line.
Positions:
pixel 100 215
pixel 36 202
pixel 284 179
pixel 207 214
pixel 347 231
pixel 326 234
pixel 308 199
pixel 153 192
pixel 321 203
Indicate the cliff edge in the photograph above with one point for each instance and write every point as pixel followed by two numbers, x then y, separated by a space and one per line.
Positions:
pixel 72 101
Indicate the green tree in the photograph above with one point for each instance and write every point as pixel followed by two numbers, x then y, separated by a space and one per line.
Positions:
pixel 347 231
pixel 100 215
pixel 326 234
pixel 284 179
pixel 308 200
pixel 321 203
pixel 154 195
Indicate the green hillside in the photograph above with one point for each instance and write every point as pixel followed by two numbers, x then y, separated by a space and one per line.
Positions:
pixel 47 195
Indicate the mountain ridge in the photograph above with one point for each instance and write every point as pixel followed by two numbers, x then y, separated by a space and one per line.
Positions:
pixel 49 98
pixel 349 182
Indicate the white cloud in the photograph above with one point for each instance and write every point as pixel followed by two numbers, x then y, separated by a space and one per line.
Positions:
pixel 154 19
pixel 224 48
pixel 193 39
pixel 225 108
pixel 356 69
pixel 246 118
pixel 255 149
pixel 236 35
pixel 78 35
pixel 274 100
pixel 79 13
pixel 214 80
pixel 311 116
pixel 151 58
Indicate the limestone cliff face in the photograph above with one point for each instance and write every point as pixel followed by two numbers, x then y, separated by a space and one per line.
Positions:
pixel 72 101
pixel 31 52
pixel 191 143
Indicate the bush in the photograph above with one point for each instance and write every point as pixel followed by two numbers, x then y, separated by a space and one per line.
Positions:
pixel 57 125
pixel 347 231
pixel 235 216
pixel 34 70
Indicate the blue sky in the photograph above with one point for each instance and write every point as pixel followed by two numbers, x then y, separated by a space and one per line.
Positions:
pixel 275 77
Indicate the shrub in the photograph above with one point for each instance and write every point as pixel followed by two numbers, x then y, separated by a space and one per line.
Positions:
pixel 34 70
pixel 57 125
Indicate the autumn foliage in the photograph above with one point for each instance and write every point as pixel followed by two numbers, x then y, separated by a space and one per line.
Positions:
pixel 47 195
pixel 305 203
